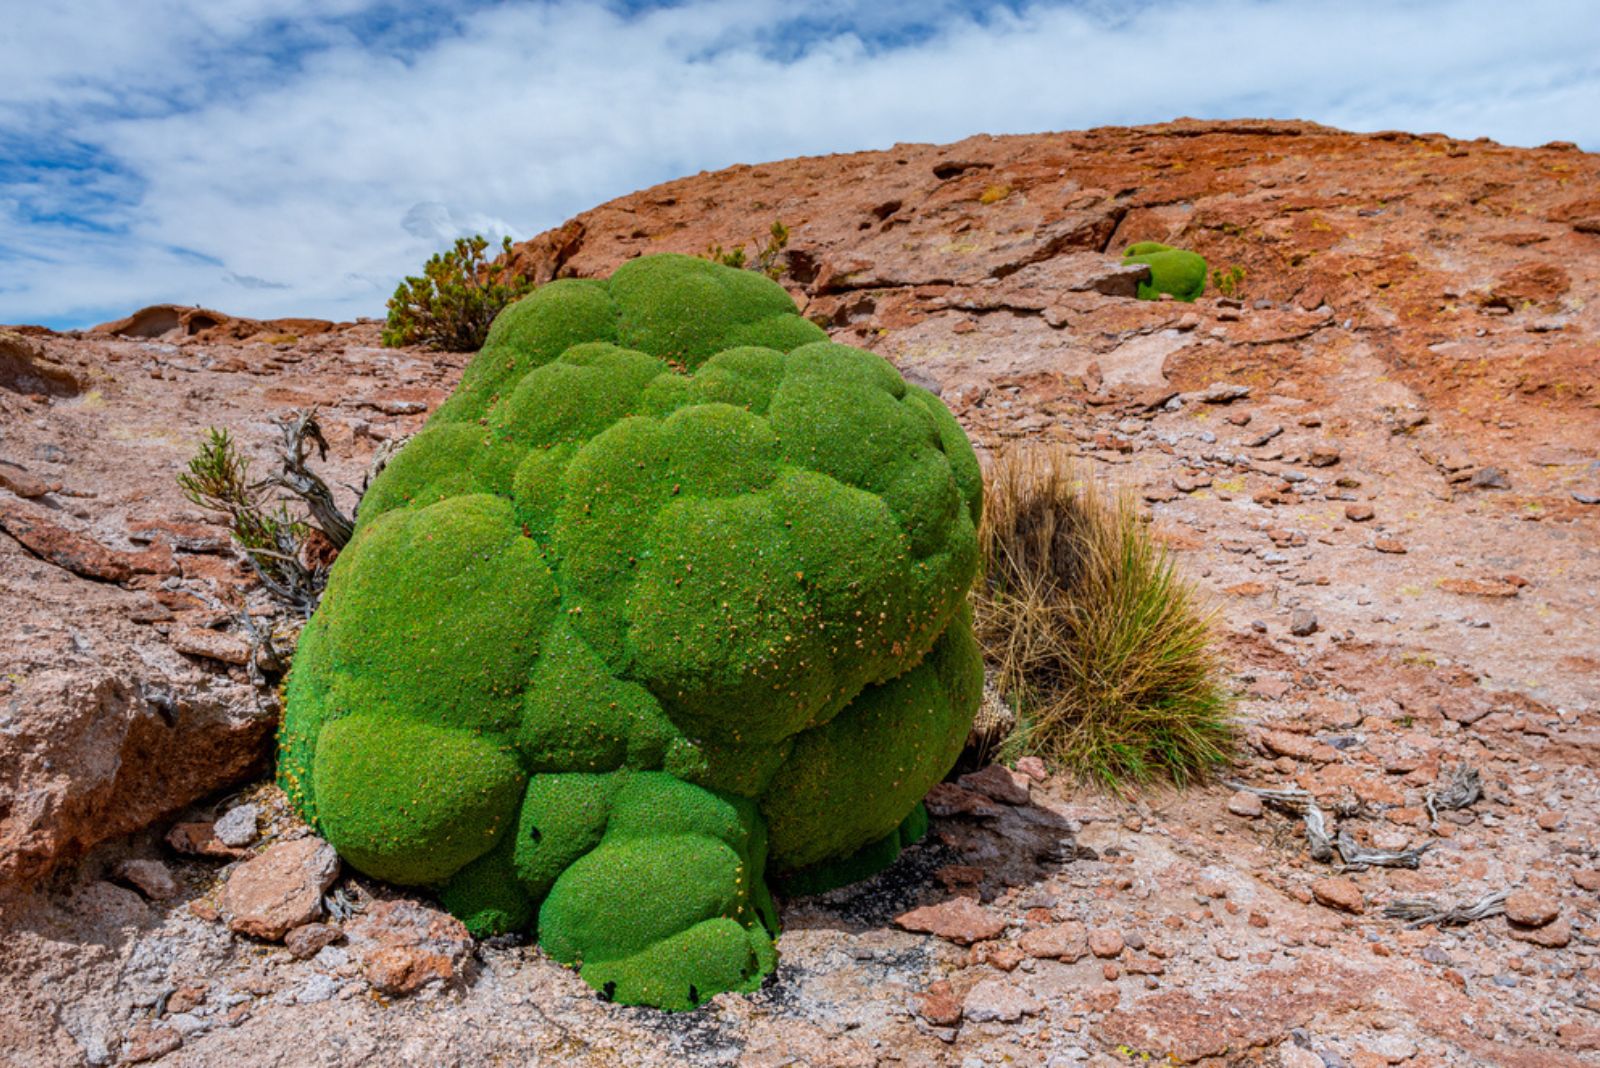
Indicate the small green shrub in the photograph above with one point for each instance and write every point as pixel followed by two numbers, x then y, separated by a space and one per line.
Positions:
pixel 271 538
pixel 1172 270
pixel 1096 641
pixel 766 258
pixel 1227 282
pixel 451 305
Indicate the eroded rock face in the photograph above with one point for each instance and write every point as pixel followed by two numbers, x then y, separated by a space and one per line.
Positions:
pixel 88 752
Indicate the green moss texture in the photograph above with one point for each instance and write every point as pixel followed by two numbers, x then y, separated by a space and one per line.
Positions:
pixel 1172 270
pixel 667 600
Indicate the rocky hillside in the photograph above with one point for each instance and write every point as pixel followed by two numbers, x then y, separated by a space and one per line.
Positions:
pixel 1380 454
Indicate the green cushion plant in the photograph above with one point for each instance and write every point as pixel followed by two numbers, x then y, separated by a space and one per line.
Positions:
pixel 1172 270
pixel 667 600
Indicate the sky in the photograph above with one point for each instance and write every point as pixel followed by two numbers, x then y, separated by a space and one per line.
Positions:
pixel 298 157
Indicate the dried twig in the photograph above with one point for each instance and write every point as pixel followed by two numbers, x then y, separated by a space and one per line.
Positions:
pixel 1317 834
pixel 298 430
pixel 1291 798
pixel 1359 857
pixel 1420 912
pixel 1464 788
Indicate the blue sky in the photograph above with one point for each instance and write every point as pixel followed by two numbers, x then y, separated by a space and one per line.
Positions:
pixel 297 157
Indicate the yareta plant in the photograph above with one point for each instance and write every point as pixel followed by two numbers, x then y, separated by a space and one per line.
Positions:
pixel 1172 270
pixel 667 600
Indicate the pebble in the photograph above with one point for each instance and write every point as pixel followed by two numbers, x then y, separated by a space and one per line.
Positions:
pixel 1549 821
pixel 1105 942
pixel 1490 478
pixel 1292 1056
pixel 998 783
pixel 1062 941
pixel 1303 622
pixel 280 889
pixel 1339 892
pixel 1358 513
pixel 1246 804
pixel 1531 908
pixel 237 827
pixel 406 945
pixel 997 999
pixel 1392 1048
pixel 318 988
pixel 308 939
pixel 1551 935
pixel 150 877
pixel 939 1005
pixel 1033 768
pixel 146 1043
pixel 960 920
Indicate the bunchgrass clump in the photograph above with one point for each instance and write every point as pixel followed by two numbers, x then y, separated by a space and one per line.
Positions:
pixel 1104 650
pixel 451 304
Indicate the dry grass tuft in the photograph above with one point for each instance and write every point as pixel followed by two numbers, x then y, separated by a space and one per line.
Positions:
pixel 1103 649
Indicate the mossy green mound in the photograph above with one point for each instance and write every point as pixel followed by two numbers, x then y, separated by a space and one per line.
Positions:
pixel 667 599
pixel 1172 270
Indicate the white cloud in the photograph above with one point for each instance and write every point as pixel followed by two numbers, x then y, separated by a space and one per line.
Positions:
pixel 308 184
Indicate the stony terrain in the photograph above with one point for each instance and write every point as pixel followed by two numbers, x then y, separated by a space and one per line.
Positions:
pixel 1382 459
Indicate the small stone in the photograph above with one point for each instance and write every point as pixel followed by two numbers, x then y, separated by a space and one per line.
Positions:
pixel 1587 879
pixel 1531 908
pixel 1323 455
pixel 1549 821
pixel 1033 768
pixel 998 783
pixel 237 827
pixel 1393 1048
pixel 1062 941
pixel 1292 1056
pixel 210 645
pixel 1105 942
pixel 1005 958
pixel 947 799
pixel 281 888
pixel 200 840
pixel 1246 804
pixel 1389 545
pixel 1339 892
pixel 1359 512
pixel 406 946
pixel 319 987
pixel 150 877
pixel 998 999
pixel 304 941
pixel 187 997
pixel 939 1005
pixel 1302 622
pixel 1579 1036
pixel 1551 935
pixel 1490 478
pixel 146 1043
pixel 960 920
